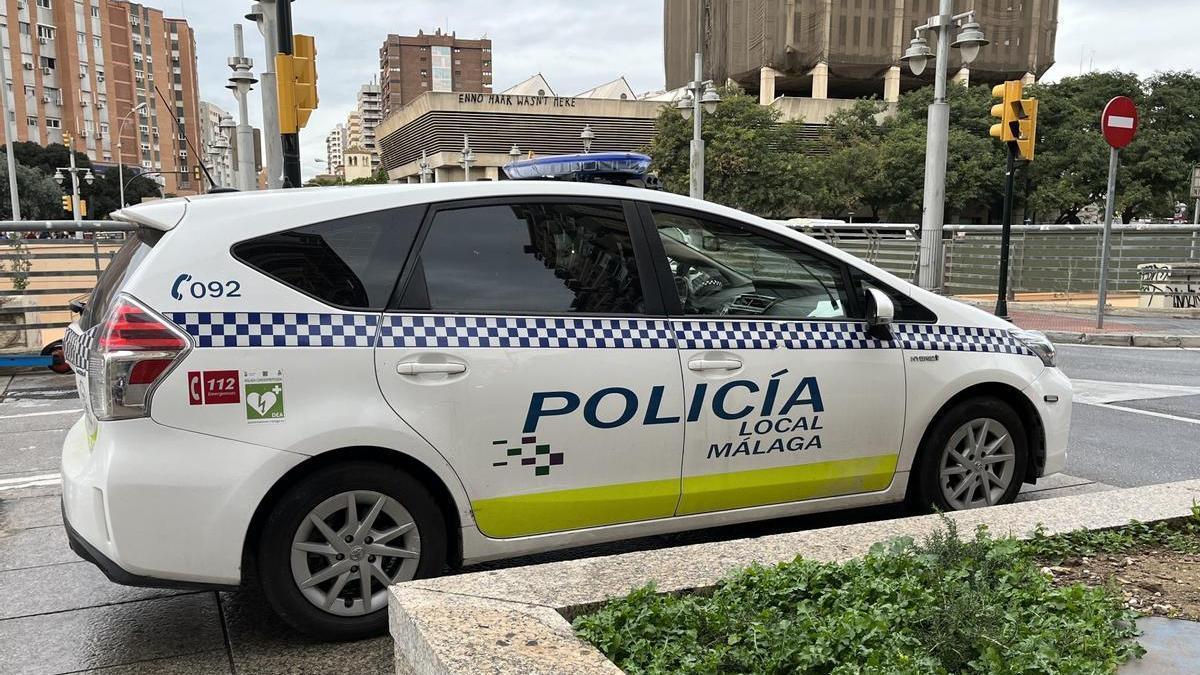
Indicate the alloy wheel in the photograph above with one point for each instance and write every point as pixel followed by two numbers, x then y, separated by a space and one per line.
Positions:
pixel 350 547
pixel 978 464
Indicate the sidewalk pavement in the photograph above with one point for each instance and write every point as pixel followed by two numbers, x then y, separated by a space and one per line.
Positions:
pixel 1073 324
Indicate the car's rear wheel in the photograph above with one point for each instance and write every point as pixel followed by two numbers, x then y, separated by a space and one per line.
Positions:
pixel 973 456
pixel 338 538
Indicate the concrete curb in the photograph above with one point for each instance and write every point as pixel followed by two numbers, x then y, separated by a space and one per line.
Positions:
pixel 1124 339
pixel 517 620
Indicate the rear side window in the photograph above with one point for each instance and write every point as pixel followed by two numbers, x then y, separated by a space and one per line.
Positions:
pixel 527 258
pixel 126 261
pixel 350 262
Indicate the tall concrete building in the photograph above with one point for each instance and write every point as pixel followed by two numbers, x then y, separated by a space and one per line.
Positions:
pixel 845 49
pixel 335 143
pixel 370 112
pixel 82 67
pixel 220 164
pixel 412 65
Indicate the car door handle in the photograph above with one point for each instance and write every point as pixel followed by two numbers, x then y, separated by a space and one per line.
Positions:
pixel 714 364
pixel 418 368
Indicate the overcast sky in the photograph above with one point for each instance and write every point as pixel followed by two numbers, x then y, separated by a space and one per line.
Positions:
pixel 580 43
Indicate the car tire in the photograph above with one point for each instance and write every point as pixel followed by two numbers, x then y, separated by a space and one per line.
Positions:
pixel 974 454
pixel 294 549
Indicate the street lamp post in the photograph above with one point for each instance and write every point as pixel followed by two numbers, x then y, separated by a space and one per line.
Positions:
pixel 73 171
pixel 120 155
pixel 10 133
pixel 240 82
pixel 217 150
pixel 468 158
pixel 423 167
pixel 700 97
pixel 970 39
pixel 587 136
pixel 264 14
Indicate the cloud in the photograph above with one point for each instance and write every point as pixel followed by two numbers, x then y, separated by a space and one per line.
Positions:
pixel 576 45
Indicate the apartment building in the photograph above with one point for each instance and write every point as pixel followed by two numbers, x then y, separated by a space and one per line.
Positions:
pixel 335 143
pixel 410 65
pixel 370 112
pixel 217 143
pixel 80 67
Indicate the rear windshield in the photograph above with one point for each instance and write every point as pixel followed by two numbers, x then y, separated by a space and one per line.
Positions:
pixel 112 279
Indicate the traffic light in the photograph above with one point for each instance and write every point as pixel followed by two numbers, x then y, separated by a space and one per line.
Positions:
pixel 82 207
pixel 1017 118
pixel 196 172
pixel 66 202
pixel 296 74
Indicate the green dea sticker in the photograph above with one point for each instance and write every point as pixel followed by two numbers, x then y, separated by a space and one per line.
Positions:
pixel 264 395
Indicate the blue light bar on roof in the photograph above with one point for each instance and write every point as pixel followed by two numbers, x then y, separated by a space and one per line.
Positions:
pixel 628 164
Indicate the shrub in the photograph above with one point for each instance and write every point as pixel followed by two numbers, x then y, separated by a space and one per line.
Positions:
pixel 946 605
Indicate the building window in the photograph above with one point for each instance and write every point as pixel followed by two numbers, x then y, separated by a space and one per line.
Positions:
pixel 442 79
pixel 43 3
pixel 45 32
pixel 24 27
pixel 81 38
pixel 96 41
pixel 29 91
pixel 104 128
pixel 31 121
pixel 48 62
pixel 54 94
pixel 83 70
pixel 53 123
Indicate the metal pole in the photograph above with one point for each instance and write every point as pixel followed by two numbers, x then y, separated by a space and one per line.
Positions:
pixel 272 148
pixel 1109 202
pixel 937 133
pixel 1195 221
pixel 290 142
pixel 240 83
pixel 696 185
pixel 1006 234
pixel 10 133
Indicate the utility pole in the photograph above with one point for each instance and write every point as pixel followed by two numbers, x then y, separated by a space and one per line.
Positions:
pixel 10 134
pixel 289 142
pixel 240 83
pixel 264 14
pixel 1006 232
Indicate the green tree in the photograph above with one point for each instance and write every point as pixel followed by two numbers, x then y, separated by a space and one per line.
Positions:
pixel 378 178
pixel 104 194
pixel 324 181
pixel 41 198
pixel 752 160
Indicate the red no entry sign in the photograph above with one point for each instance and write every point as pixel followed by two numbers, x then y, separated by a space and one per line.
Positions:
pixel 1119 121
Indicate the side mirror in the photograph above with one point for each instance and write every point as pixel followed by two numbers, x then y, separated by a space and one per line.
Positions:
pixel 880 312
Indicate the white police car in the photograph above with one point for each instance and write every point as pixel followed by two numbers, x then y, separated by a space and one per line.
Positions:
pixel 335 389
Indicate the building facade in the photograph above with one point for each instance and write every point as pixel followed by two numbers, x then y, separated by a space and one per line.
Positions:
pixel 410 65
pixel 335 143
pixel 370 114
pixel 212 139
pixel 823 49
pixel 79 67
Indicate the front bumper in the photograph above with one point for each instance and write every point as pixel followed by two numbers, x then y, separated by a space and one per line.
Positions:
pixel 1051 395
pixel 156 506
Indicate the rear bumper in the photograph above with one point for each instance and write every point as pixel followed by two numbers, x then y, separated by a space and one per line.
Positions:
pixel 118 575
pixel 151 505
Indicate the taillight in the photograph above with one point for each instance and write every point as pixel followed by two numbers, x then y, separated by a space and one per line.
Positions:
pixel 131 352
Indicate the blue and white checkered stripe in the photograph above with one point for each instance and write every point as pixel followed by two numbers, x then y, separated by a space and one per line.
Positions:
pixel 278 329
pixel 75 347
pixel 420 331
pixel 932 337
pixel 733 334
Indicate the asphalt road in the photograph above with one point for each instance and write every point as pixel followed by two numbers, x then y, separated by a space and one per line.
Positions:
pixel 1137 440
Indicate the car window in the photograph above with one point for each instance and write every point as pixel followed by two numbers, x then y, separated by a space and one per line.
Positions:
pixel 722 269
pixel 527 258
pixel 350 262
pixel 126 261
pixel 906 309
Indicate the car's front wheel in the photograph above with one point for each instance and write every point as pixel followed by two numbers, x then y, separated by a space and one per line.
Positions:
pixel 974 455
pixel 336 540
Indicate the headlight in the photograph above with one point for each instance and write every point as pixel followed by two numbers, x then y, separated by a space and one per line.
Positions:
pixel 1037 342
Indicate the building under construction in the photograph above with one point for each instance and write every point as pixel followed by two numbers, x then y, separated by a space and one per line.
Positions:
pixel 845 48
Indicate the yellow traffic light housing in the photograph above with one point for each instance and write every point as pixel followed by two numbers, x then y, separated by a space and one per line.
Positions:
pixel 66 202
pixel 1017 118
pixel 296 74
